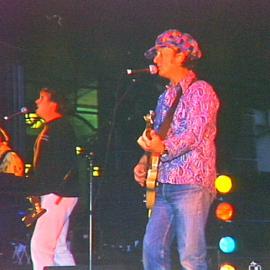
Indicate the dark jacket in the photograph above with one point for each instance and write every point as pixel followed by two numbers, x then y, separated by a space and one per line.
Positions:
pixel 56 168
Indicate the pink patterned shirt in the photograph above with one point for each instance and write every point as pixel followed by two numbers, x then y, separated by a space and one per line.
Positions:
pixel 190 141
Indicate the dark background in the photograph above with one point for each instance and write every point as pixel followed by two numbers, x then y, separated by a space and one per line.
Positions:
pixel 74 43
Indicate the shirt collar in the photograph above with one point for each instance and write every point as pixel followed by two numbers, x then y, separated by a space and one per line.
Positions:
pixel 185 83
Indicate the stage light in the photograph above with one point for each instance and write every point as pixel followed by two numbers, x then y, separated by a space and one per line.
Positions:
pixel 227 267
pixel 27 168
pixel 223 184
pixel 96 171
pixel 225 212
pixel 80 150
pixel 227 244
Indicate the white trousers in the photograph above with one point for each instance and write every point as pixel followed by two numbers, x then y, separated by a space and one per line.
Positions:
pixel 48 243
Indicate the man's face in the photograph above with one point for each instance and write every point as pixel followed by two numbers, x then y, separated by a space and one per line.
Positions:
pixel 167 61
pixel 45 106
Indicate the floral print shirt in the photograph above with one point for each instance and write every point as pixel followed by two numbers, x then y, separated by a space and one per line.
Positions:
pixel 190 140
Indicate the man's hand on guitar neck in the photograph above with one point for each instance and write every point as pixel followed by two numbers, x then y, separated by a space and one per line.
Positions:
pixel 152 143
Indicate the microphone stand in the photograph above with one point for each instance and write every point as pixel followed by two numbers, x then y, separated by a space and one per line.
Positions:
pixel 90 157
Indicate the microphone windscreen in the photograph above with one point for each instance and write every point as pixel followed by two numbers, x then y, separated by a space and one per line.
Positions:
pixel 24 110
pixel 153 69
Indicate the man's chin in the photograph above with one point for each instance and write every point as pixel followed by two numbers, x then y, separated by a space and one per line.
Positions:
pixel 164 76
pixel 37 112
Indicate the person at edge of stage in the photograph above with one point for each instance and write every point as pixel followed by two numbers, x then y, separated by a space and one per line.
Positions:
pixel 187 167
pixel 10 162
pixel 54 179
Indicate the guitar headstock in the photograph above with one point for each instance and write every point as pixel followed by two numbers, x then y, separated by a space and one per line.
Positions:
pixel 149 119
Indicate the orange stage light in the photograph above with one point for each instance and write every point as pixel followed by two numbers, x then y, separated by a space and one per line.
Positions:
pixel 225 212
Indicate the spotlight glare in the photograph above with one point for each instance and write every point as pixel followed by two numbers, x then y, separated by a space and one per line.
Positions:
pixel 227 244
pixel 223 184
pixel 225 211
pixel 227 267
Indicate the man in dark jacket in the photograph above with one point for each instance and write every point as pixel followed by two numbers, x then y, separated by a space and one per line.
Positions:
pixel 55 180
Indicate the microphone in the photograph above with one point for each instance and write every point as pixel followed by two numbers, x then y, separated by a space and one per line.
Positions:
pixel 23 110
pixel 152 69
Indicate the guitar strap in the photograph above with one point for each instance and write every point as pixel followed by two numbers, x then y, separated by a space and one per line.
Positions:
pixel 169 116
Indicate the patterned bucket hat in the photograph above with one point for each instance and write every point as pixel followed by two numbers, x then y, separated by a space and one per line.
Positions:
pixel 174 38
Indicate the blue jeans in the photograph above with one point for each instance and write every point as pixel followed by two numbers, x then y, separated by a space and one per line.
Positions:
pixel 180 213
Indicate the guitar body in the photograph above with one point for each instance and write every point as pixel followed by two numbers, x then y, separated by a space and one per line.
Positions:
pixel 153 160
pixel 151 181
pixel 153 163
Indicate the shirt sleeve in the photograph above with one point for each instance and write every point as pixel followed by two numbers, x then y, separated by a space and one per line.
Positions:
pixel 194 121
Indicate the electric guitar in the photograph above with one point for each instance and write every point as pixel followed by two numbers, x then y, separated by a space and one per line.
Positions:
pixel 36 212
pixel 153 162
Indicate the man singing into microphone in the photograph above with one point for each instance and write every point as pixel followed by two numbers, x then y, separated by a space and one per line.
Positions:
pixel 54 179
pixel 187 154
